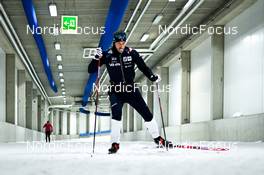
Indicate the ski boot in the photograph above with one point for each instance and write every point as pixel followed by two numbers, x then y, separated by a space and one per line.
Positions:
pixel 114 148
pixel 161 142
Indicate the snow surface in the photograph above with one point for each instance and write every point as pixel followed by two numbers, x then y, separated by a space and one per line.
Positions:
pixel 74 157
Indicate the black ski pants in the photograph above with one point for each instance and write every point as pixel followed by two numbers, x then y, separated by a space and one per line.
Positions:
pixel 135 99
pixel 48 133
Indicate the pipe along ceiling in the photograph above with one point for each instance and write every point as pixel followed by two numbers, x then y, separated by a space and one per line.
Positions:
pixel 114 18
pixel 30 12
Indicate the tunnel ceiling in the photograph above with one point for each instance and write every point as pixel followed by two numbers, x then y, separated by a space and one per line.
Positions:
pixel 93 13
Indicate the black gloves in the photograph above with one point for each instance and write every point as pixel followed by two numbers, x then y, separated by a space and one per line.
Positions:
pixel 154 78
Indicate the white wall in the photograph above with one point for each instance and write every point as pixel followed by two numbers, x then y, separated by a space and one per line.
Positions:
pixel 64 123
pixel 200 82
pixel 244 64
pixel 82 123
pixel 73 123
pixel 2 86
pixel 57 121
pixel 137 120
pixel 46 111
pixel 16 96
pixel 249 128
pixel 91 123
pixel 13 133
pixel 175 94
pixel 35 112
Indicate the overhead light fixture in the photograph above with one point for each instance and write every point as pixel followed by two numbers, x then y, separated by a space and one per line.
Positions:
pixel 60 74
pixel 64 98
pixel 188 4
pixel 157 19
pixel 59 66
pixel 62 85
pixel 53 9
pixel 171 0
pixel 144 37
pixel 63 93
pixel 59 58
pixel 62 89
pixel 57 46
pixel 62 80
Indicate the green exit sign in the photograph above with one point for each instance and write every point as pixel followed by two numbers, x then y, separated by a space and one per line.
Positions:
pixel 69 24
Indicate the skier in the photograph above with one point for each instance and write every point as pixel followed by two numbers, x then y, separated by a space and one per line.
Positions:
pixel 120 61
pixel 48 130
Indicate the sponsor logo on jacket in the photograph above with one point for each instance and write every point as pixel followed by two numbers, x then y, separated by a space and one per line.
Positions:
pixel 127 58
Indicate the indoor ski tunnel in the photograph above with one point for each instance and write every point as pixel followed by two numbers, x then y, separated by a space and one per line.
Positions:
pixel 132 87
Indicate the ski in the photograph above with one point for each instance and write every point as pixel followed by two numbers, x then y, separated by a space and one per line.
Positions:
pixel 200 148
pixel 194 147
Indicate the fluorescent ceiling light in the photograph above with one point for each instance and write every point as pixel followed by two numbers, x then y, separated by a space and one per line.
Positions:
pixel 57 46
pixel 59 66
pixel 53 9
pixel 144 37
pixel 60 74
pixel 62 84
pixel 62 80
pixel 157 19
pixel 171 0
pixel 62 89
pixel 59 58
pixel 188 4
pixel 63 93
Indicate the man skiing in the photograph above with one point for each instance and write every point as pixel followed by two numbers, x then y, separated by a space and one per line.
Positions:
pixel 48 130
pixel 120 61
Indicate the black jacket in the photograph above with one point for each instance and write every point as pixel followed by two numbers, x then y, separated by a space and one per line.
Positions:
pixel 121 67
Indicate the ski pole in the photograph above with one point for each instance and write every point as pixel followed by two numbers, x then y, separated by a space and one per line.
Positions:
pixel 161 114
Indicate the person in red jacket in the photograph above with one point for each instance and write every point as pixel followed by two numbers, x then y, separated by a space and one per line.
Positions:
pixel 48 130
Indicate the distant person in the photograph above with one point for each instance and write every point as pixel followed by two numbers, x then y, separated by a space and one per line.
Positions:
pixel 48 130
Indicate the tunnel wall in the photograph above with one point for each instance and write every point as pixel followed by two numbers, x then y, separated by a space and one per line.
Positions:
pixel 14 133
pixel 200 77
pixel 243 114
pixel 2 86
pixel 249 128
pixel 244 63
